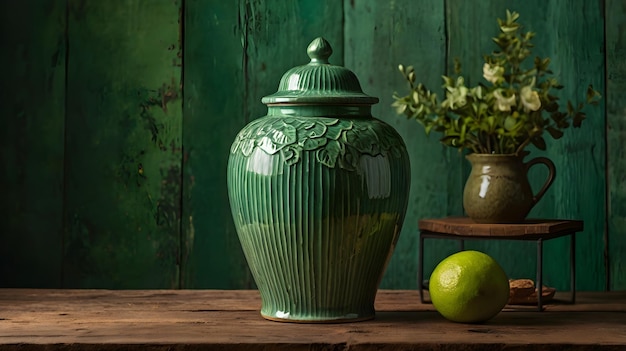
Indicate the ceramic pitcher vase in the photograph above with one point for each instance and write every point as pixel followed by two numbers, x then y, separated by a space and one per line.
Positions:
pixel 497 189
pixel 318 190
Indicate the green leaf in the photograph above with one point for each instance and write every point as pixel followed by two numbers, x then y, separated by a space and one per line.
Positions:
pixel 291 155
pixel 463 133
pixel 570 108
pixel 509 123
pixel 592 94
pixel 539 143
pixel 491 122
pixel 555 133
pixel 552 106
pixel 457 66
pixel 427 128
pixel 328 155
pixel 313 143
pixel 484 126
pixel 450 140
pixel 578 119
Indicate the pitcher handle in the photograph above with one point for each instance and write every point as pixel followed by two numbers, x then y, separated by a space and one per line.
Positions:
pixel 551 175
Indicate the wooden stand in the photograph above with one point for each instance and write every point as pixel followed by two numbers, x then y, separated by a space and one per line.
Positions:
pixel 540 230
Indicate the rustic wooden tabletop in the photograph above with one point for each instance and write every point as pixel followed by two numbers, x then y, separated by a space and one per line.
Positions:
pixel 229 320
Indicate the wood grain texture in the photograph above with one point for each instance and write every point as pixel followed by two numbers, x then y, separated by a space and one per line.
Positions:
pixel 98 185
pixel 531 229
pixel 379 36
pixel 235 53
pixel 616 134
pixel 214 85
pixel 229 320
pixel 32 113
pixel 123 150
pixel 571 33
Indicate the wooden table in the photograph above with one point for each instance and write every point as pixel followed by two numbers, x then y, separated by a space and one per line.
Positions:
pixel 538 230
pixel 192 320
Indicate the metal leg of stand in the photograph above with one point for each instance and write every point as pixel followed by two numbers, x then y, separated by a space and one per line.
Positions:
pixel 462 244
pixel 420 269
pixel 539 285
pixel 572 262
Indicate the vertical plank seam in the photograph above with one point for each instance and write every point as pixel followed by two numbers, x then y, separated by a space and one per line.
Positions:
pixel 64 210
pixel 446 55
pixel 607 173
pixel 343 33
pixel 446 34
pixel 181 234
pixel 243 27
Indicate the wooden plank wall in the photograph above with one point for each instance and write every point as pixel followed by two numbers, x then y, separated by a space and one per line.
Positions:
pixel 113 175
pixel 32 108
pixel 418 38
pixel 123 144
pixel 572 36
pixel 616 135
pixel 224 81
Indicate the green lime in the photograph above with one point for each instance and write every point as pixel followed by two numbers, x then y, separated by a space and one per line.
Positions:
pixel 469 287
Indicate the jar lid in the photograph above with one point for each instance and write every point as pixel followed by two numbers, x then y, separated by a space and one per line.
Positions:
pixel 319 82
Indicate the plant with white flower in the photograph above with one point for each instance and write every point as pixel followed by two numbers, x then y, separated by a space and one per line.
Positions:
pixel 493 73
pixel 530 98
pixel 503 103
pixel 512 110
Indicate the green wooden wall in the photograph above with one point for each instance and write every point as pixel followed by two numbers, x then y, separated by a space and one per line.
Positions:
pixel 117 119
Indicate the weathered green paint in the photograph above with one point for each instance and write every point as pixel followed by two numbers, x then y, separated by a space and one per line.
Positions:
pixel 32 111
pixel 225 79
pixel 468 40
pixel 379 36
pixel 123 147
pixel 102 195
pixel 579 189
pixel 573 37
pixel 214 85
pixel 616 134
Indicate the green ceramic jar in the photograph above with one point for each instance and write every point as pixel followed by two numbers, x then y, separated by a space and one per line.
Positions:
pixel 318 190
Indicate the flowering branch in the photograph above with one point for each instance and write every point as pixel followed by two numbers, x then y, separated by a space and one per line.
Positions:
pixel 504 116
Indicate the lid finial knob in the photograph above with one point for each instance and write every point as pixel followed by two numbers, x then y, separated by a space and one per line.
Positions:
pixel 319 50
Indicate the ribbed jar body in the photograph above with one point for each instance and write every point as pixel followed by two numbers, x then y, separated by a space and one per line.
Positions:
pixel 318 203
